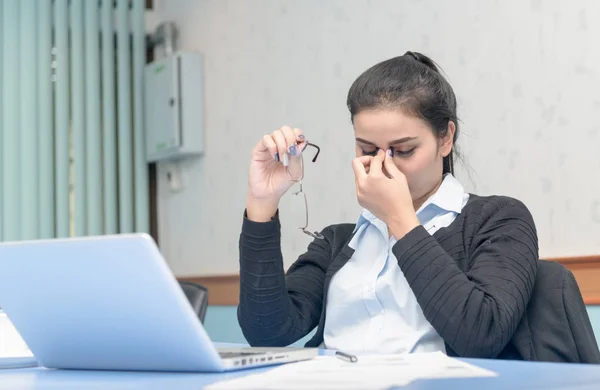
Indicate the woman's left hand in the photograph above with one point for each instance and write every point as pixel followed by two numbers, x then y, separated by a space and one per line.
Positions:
pixel 382 189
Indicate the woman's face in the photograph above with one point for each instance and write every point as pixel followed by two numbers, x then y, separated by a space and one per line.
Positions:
pixel 417 152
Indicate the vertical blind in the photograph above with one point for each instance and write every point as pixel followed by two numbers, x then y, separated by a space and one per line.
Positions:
pixel 71 121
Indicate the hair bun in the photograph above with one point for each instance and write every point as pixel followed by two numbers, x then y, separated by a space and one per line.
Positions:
pixel 423 59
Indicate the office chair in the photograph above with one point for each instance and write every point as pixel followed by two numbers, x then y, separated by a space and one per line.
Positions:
pixel 198 297
pixel 557 318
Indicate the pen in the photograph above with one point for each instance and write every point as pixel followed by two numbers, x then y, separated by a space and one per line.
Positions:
pixel 346 357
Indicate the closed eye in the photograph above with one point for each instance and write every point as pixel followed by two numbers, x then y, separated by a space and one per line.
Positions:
pixel 370 152
pixel 399 153
pixel 404 153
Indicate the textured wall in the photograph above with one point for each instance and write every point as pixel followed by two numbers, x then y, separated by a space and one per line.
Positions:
pixel 525 72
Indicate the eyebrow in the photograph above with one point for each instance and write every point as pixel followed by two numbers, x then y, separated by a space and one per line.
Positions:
pixel 395 142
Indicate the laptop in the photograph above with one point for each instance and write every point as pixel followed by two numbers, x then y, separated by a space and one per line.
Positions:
pixel 111 303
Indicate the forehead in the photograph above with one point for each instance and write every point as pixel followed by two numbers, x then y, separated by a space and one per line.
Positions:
pixel 384 125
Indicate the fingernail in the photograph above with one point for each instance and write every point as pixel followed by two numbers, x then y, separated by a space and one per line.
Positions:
pixel 276 157
pixel 300 136
pixel 292 150
pixel 389 152
pixel 286 161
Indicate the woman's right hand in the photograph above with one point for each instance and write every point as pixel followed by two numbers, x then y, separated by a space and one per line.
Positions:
pixel 272 157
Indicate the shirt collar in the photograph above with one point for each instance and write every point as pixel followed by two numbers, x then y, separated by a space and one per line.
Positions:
pixel 450 197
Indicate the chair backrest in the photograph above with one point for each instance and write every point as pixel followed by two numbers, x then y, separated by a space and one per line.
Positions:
pixel 557 318
pixel 198 297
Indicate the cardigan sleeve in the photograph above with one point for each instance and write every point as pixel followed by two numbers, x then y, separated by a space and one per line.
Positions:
pixel 475 311
pixel 277 309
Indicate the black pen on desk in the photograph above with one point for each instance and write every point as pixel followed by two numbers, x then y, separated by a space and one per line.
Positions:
pixel 346 357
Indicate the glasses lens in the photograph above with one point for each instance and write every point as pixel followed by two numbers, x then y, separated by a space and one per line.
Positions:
pixel 299 208
pixel 299 202
pixel 296 173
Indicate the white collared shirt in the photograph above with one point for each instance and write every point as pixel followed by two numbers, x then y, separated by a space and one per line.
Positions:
pixel 370 306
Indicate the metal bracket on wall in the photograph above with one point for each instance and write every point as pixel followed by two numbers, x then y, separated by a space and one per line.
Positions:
pixel 165 35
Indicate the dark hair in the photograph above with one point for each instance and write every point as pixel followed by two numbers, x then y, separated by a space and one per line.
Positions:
pixel 413 83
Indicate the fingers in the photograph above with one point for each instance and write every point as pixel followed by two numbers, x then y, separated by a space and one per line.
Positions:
pixel 294 152
pixel 279 139
pixel 380 164
pixel 377 164
pixel 389 165
pixel 365 160
pixel 284 143
pixel 271 146
pixel 359 164
pixel 291 141
pixel 300 140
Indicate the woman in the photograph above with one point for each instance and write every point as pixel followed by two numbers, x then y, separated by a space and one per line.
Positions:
pixel 427 267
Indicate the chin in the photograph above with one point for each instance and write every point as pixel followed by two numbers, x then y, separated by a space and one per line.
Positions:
pixel 416 197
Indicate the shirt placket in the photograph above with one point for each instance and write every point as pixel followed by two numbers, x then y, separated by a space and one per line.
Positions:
pixel 373 305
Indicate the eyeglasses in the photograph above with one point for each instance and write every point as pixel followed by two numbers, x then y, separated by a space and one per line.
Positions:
pixel 301 193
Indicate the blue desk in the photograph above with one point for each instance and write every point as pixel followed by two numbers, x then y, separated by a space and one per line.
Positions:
pixel 512 375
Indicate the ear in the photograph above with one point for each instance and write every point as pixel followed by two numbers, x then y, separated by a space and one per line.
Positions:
pixel 447 142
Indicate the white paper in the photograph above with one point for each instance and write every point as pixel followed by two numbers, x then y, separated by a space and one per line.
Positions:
pixel 11 343
pixel 369 372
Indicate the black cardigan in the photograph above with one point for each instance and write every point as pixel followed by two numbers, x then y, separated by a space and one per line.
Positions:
pixel 473 279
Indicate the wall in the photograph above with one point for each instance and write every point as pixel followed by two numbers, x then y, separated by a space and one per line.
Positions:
pixel 524 71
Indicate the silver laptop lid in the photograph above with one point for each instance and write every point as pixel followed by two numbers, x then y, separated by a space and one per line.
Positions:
pixel 105 302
